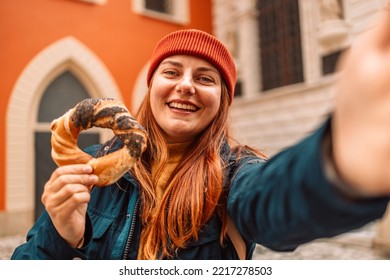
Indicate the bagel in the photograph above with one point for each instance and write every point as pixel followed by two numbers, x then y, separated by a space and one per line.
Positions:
pixel 104 113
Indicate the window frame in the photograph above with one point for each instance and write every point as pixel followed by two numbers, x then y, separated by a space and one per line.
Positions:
pixel 179 13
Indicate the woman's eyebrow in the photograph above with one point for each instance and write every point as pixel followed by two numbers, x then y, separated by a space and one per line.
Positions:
pixel 173 62
pixel 179 64
pixel 205 69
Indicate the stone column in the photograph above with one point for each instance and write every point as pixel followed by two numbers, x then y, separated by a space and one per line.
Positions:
pixel 248 47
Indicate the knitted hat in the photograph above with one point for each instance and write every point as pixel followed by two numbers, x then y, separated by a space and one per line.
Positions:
pixel 196 43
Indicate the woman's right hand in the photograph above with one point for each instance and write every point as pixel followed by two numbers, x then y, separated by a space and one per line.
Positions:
pixel 66 196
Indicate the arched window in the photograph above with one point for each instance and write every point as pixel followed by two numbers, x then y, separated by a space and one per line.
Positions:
pixel 62 94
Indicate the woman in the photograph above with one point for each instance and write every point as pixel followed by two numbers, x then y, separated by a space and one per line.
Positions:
pixel 195 194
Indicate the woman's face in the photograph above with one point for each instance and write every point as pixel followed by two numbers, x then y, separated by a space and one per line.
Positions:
pixel 185 96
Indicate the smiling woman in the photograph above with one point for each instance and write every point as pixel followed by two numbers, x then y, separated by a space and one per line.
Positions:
pixel 196 193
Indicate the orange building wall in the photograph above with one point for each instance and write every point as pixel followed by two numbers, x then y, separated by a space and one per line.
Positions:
pixel 121 39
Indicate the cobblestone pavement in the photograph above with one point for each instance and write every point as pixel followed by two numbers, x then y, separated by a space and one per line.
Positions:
pixel 355 246
pixel 322 250
pixel 8 245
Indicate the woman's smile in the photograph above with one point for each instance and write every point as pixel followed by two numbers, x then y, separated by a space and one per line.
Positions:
pixel 182 106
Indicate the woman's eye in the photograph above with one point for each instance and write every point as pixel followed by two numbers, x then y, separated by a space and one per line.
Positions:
pixel 170 73
pixel 206 79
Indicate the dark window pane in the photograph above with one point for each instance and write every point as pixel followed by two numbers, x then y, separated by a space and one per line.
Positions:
pixel 161 6
pixel 238 89
pixel 329 62
pixel 280 43
pixel 61 95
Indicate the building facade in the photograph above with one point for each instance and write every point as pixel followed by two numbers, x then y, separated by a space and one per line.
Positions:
pixel 286 52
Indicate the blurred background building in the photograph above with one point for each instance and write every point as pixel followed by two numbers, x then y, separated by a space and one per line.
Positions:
pixel 56 52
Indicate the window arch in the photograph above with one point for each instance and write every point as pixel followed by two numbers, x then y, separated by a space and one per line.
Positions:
pixel 65 54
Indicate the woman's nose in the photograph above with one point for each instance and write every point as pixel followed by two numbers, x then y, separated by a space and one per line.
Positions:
pixel 185 85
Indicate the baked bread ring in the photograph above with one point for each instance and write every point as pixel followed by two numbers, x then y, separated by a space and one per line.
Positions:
pixel 104 113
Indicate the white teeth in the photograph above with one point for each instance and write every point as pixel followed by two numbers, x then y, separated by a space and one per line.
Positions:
pixel 182 106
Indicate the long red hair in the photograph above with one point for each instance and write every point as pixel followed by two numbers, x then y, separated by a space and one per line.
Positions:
pixel 194 190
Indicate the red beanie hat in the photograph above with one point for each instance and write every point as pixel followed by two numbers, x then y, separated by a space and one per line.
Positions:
pixel 196 43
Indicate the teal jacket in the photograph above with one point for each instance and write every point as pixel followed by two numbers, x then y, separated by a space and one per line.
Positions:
pixel 279 203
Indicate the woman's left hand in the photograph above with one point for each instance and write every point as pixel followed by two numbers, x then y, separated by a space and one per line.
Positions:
pixel 361 123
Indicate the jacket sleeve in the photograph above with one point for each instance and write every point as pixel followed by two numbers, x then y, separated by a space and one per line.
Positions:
pixel 288 200
pixel 44 243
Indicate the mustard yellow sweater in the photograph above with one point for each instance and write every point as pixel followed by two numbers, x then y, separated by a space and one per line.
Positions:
pixel 176 151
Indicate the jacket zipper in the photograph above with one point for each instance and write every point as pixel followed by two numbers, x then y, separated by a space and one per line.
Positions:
pixel 131 232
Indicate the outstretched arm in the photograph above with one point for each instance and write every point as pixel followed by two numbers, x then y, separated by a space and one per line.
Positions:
pixel 291 199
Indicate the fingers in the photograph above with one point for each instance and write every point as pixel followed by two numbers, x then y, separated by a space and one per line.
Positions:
pixel 72 169
pixel 74 194
pixel 69 185
pixel 72 174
